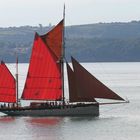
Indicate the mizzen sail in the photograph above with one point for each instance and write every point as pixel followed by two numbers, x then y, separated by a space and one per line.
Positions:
pixel 7 85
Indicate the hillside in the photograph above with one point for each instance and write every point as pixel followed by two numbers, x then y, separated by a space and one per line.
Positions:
pixel 93 43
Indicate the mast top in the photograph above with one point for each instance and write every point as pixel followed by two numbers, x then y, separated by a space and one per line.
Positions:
pixel 64 11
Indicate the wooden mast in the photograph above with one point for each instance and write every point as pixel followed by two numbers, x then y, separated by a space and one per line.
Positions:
pixel 17 79
pixel 63 57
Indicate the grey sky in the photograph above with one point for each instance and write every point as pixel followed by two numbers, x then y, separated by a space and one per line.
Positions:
pixel 34 12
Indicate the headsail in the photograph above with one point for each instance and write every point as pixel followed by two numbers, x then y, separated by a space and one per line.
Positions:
pixel 72 85
pixel 44 75
pixel 89 87
pixel 74 95
pixel 7 85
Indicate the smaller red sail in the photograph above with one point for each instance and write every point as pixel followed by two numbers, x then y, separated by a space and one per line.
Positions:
pixel 43 80
pixel 7 85
pixel 54 39
pixel 90 87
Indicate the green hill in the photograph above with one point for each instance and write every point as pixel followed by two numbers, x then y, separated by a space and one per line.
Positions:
pixel 92 42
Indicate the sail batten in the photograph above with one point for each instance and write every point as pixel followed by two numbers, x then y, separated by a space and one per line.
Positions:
pixel 7 85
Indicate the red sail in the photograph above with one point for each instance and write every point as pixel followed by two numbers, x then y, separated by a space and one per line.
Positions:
pixel 74 95
pixel 53 39
pixel 7 85
pixel 89 87
pixel 44 75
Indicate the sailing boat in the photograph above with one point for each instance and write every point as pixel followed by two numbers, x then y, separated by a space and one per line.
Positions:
pixel 44 84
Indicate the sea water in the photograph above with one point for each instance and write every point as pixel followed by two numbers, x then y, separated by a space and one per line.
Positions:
pixel 116 122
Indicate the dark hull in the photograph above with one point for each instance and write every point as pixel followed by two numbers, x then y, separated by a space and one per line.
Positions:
pixel 88 110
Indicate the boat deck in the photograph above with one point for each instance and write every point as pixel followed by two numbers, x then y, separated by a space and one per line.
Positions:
pixel 46 106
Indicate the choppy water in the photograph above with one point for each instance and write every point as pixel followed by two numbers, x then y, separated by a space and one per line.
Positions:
pixel 116 122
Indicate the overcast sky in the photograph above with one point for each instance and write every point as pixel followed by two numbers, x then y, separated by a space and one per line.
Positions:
pixel 34 12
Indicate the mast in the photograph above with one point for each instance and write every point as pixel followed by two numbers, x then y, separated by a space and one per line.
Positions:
pixel 17 79
pixel 63 57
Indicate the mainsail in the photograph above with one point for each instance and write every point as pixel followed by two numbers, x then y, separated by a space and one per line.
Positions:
pixel 44 75
pixel 7 85
pixel 87 86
